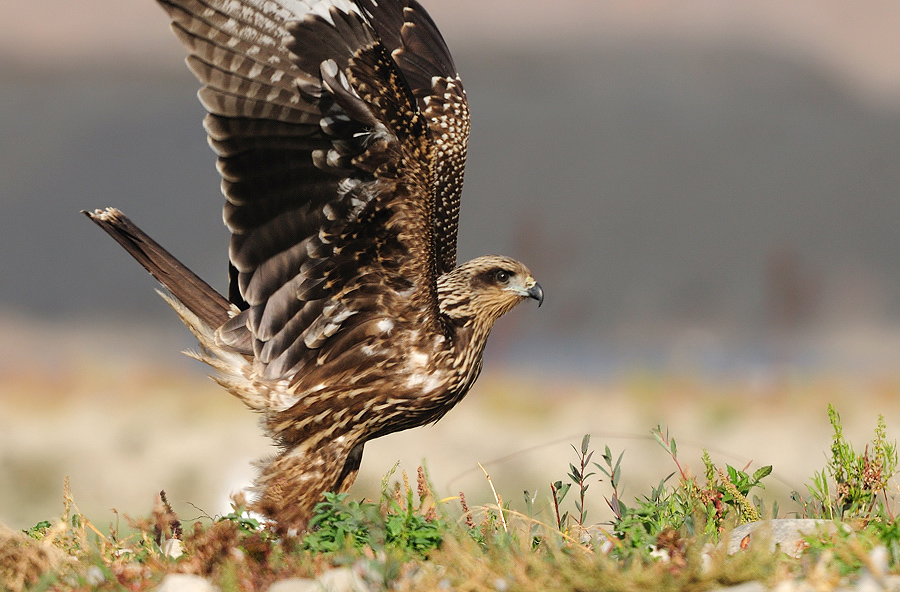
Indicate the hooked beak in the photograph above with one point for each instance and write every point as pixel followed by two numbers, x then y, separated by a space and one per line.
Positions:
pixel 537 293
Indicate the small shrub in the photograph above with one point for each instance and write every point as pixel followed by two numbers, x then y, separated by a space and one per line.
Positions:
pixel 849 485
pixel 398 523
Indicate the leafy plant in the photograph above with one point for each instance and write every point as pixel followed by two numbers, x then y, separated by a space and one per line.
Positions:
pixel 849 485
pixel 339 524
pixel 397 523
pixel 558 490
pixel 39 530
pixel 614 473
pixel 579 476
pixel 671 511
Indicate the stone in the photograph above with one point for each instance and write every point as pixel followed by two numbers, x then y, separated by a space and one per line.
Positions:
pixel 872 577
pixel 342 579
pixel 296 585
pixel 785 534
pixel 94 576
pixel 185 583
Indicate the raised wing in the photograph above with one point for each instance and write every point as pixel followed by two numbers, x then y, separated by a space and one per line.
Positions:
pixel 326 157
pixel 420 51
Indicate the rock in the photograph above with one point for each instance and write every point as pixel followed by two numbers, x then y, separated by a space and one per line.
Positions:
pixel 185 583
pixel 342 579
pixel 785 534
pixel 793 586
pixel 879 561
pixel 872 577
pixel 94 576
pixel 866 583
pixel 296 585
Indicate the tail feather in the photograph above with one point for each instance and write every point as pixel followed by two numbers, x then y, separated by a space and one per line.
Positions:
pixel 197 296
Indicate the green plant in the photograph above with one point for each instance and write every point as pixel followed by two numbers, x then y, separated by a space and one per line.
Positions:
pixel 673 511
pixel 579 477
pixel 39 530
pixel 397 523
pixel 849 485
pixel 613 472
pixel 339 524
pixel 558 490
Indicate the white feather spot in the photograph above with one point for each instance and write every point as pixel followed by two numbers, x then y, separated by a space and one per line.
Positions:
pixel 417 359
pixel 385 325
pixel 343 315
pixel 431 384
pixel 425 382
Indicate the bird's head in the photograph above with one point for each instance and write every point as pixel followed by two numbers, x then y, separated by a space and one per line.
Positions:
pixel 485 288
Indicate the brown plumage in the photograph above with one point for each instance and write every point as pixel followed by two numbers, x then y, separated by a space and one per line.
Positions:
pixel 341 130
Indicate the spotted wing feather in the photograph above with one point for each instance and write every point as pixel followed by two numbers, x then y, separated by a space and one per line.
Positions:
pixel 325 162
pixel 421 53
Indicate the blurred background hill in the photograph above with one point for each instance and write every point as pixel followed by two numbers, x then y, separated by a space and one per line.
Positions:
pixel 705 189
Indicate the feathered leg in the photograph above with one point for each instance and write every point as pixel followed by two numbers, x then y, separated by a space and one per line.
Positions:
pixel 291 484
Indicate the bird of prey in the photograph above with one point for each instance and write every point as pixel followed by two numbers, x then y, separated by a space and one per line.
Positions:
pixel 341 129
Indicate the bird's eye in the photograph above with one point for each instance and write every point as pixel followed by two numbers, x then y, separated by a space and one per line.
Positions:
pixel 501 276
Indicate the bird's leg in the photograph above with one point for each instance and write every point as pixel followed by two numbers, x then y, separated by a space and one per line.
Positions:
pixel 292 483
pixel 351 468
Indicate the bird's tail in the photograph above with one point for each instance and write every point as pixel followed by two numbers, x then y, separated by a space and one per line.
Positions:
pixel 201 299
pixel 201 308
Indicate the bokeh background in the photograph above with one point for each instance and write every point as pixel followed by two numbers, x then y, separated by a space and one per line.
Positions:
pixel 707 191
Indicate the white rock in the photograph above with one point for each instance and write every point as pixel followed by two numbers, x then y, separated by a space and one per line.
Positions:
pixel 793 586
pixel 879 559
pixel 94 576
pixel 786 534
pixel 872 577
pixel 342 579
pixel 295 585
pixel 185 583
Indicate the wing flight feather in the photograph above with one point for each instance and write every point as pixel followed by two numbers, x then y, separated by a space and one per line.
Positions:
pixel 339 154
